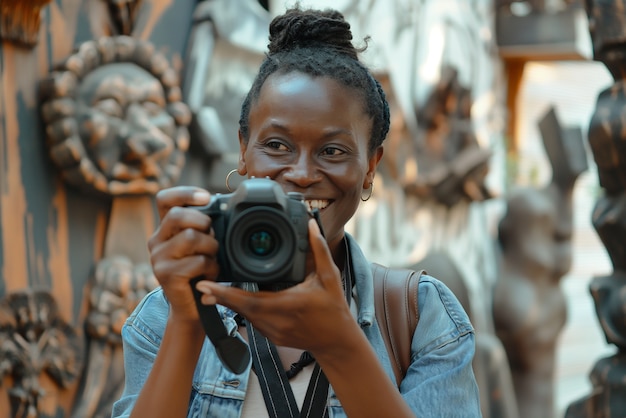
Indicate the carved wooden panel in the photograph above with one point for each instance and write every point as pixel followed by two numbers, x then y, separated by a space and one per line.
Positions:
pixel 72 262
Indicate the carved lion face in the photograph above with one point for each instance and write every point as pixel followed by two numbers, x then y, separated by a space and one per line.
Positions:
pixel 114 118
pixel 124 123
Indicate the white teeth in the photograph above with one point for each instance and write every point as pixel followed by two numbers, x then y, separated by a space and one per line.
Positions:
pixel 317 204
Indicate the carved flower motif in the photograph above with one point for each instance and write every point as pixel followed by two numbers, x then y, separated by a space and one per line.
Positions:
pixel 117 288
pixel 34 339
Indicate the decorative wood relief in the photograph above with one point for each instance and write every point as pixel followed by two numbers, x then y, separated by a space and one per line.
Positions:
pixel 84 253
pixel 115 124
pixel 34 340
pixel 20 20
pixel 115 120
pixel 117 287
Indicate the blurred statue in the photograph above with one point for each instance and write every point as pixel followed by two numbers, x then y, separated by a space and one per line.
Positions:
pixel 535 238
pixel 607 138
pixel 226 46
pixel 452 167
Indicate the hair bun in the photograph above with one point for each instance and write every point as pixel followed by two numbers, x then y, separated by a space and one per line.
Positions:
pixel 298 28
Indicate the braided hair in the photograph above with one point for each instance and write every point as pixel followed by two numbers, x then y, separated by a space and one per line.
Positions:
pixel 319 43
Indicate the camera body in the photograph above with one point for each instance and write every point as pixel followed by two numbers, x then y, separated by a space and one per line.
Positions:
pixel 262 232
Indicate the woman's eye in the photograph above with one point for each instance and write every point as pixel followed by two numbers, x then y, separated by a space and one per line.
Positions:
pixel 333 151
pixel 277 145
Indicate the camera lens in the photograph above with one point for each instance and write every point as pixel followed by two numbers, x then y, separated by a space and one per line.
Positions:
pixel 261 243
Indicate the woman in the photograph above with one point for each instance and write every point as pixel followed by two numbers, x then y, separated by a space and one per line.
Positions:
pixel 314 121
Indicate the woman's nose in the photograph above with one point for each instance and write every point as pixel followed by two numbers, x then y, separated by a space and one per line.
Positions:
pixel 303 172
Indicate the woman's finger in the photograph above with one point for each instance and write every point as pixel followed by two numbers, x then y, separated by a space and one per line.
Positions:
pixel 166 199
pixel 238 300
pixel 179 219
pixel 324 265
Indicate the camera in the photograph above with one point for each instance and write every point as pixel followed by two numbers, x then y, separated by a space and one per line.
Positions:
pixel 262 232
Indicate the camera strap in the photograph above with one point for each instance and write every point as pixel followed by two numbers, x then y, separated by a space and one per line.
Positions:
pixel 232 352
pixel 275 387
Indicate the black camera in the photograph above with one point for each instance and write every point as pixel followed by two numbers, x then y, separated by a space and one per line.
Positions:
pixel 263 234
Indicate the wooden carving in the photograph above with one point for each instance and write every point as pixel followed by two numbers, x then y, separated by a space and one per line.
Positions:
pixel 34 340
pixel 117 287
pixel 452 166
pixel 607 138
pixel 20 20
pixel 535 234
pixel 115 120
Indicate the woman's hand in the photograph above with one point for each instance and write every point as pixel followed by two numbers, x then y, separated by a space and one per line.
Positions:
pixel 311 315
pixel 314 316
pixel 182 247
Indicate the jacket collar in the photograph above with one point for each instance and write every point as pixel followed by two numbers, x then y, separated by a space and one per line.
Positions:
pixel 363 281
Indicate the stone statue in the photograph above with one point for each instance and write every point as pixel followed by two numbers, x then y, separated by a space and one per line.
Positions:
pixel 535 234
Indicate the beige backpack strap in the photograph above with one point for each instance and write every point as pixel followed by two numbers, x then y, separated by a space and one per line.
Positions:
pixel 395 299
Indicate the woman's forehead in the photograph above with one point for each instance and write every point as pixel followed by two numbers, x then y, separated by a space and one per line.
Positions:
pixel 310 93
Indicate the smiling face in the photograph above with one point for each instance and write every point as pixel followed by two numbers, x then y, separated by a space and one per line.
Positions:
pixel 311 135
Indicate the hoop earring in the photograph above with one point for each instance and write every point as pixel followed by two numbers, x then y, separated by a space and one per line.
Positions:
pixel 230 173
pixel 371 189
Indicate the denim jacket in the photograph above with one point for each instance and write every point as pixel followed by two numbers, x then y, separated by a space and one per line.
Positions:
pixel 439 382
